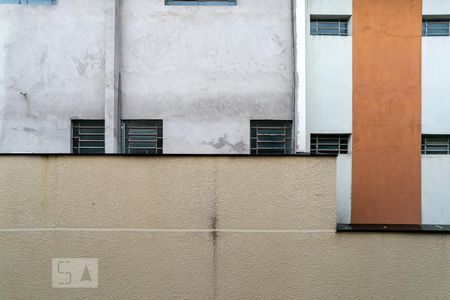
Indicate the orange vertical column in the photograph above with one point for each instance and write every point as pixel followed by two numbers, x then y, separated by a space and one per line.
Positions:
pixel 387 55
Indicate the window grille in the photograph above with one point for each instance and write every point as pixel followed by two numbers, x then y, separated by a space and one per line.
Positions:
pixel 29 2
pixel 201 2
pixel 432 27
pixel 329 143
pixel 436 144
pixel 338 27
pixel 271 137
pixel 88 136
pixel 142 136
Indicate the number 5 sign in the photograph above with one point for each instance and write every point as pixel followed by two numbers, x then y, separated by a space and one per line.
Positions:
pixel 75 272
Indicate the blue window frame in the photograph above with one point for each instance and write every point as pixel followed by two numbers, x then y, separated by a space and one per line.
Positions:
pixel 29 2
pixel 202 2
pixel 435 27
pixel 435 144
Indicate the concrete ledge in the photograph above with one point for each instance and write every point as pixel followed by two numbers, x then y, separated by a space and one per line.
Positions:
pixel 405 228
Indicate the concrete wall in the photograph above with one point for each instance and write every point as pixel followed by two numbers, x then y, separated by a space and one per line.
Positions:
pixel 435 75
pixel 56 54
pixel 344 189
pixel 207 70
pixel 435 189
pixel 328 73
pixel 201 228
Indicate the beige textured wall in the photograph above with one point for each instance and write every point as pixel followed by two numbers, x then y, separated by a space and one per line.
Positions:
pixel 201 228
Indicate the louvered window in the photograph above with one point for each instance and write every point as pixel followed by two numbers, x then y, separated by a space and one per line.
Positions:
pixel 29 2
pixel 201 2
pixel 142 136
pixel 271 137
pixel 329 143
pixel 88 136
pixel 338 27
pixel 435 27
pixel 436 144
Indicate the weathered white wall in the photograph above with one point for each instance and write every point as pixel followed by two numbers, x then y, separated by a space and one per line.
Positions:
pixel 344 189
pixel 435 119
pixel 57 55
pixel 436 75
pixel 328 73
pixel 207 70
pixel 302 138
pixel 436 7
pixel 436 189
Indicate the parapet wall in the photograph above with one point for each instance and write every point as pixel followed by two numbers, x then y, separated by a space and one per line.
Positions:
pixel 201 228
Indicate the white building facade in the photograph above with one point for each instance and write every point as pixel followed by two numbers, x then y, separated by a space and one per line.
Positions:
pixel 204 71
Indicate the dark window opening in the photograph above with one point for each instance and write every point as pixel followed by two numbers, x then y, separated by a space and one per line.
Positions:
pixel 335 26
pixel 271 137
pixel 201 2
pixel 142 137
pixel 29 2
pixel 88 136
pixel 435 27
pixel 329 143
pixel 435 144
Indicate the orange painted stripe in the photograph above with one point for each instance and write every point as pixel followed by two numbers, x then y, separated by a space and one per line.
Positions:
pixel 387 55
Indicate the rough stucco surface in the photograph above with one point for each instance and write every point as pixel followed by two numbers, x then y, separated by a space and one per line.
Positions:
pixel 224 228
pixel 167 192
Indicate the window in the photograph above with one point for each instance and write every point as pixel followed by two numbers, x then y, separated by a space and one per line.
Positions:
pixel 201 2
pixel 29 2
pixel 142 136
pixel 271 137
pixel 88 136
pixel 435 27
pixel 329 143
pixel 435 144
pixel 337 26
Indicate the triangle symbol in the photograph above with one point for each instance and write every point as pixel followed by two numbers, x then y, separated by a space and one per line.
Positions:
pixel 86 276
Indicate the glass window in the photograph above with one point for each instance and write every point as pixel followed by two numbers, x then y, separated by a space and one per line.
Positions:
pixel 142 136
pixel 435 144
pixel 271 137
pixel 432 27
pixel 88 136
pixel 29 2
pixel 338 27
pixel 329 143
pixel 201 2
